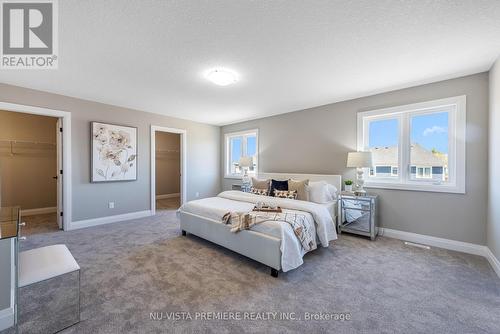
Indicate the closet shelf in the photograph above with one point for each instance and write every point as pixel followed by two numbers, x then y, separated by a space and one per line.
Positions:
pixel 12 145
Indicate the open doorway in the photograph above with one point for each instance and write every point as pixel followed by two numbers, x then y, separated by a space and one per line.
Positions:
pixel 167 169
pixel 30 165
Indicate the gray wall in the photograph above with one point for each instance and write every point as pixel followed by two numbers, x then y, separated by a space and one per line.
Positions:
pixel 91 200
pixel 317 141
pixel 494 162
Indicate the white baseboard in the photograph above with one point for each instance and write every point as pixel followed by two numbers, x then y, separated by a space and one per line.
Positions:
pixel 168 196
pixel 6 318
pixel 493 261
pixel 109 219
pixel 454 245
pixel 459 246
pixel 38 211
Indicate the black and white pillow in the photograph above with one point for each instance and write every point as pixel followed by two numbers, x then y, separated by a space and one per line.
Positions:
pixel 278 185
pixel 290 194
pixel 257 191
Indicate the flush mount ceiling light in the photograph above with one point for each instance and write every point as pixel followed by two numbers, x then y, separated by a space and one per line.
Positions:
pixel 222 76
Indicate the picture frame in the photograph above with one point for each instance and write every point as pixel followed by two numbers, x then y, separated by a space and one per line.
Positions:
pixel 113 156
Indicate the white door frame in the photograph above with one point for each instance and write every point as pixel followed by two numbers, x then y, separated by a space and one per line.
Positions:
pixel 183 134
pixel 66 139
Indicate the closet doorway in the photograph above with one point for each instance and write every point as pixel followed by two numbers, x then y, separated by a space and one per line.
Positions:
pixel 167 168
pixel 30 167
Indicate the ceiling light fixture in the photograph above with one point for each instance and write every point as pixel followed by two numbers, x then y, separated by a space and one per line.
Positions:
pixel 222 76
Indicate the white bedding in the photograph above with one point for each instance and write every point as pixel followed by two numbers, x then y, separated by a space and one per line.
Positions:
pixel 291 249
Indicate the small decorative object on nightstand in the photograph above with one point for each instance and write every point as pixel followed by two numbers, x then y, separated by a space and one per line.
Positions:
pixel 348 186
pixel 358 214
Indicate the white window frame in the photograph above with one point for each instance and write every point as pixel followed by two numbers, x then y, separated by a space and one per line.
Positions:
pixel 392 170
pixel 456 155
pixel 227 152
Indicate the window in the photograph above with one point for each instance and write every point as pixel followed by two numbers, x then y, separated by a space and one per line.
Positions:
pixel 416 147
pixel 237 145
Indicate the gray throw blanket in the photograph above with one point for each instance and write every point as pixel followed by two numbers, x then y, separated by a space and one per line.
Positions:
pixel 298 222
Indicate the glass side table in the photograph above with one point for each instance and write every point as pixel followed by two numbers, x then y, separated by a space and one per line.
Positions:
pixel 10 229
pixel 358 215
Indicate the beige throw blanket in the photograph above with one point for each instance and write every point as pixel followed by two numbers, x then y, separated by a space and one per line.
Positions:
pixel 298 222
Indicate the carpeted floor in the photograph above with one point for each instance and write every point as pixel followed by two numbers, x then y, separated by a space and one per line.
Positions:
pixel 133 268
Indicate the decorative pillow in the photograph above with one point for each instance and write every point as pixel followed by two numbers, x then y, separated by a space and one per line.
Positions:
pixel 260 184
pixel 278 185
pixel 257 191
pixel 332 192
pixel 318 192
pixel 291 194
pixel 300 188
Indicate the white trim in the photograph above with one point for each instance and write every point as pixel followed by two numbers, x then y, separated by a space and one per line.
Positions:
pixel 457 147
pixel 459 246
pixel 183 193
pixel 6 318
pixel 164 196
pixel 66 119
pixel 493 261
pixel 38 211
pixel 110 219
pixel 243 133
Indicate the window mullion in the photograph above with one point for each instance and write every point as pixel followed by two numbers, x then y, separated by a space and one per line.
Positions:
pixel 404 147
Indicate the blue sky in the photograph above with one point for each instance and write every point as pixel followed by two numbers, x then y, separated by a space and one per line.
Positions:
pixel 430 131
pixel 236 148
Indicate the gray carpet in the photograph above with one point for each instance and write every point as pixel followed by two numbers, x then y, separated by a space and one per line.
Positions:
pixel 132 268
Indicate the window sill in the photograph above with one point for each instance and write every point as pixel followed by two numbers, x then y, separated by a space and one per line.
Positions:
pixel 417 187
pixel 233 177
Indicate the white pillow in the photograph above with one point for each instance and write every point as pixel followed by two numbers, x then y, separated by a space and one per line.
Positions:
pixel 318 192
pixel 332 192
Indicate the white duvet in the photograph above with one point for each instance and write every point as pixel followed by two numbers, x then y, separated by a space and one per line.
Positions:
pixel 292 251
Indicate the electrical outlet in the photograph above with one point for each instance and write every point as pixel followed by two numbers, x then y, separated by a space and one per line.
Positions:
pixel 111 205
pixel 197 194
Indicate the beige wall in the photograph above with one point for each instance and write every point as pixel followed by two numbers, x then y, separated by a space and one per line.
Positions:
pixel 494 162
pixel 317 141
pixel 168 163
pixel 27 176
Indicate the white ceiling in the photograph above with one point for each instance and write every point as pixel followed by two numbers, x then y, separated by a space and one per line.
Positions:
pixel 290 55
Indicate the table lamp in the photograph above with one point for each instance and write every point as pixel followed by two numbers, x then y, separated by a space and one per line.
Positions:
pixel 245 163
pixel 359 160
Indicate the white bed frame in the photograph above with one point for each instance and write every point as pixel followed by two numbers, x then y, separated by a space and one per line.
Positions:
pixel 257 246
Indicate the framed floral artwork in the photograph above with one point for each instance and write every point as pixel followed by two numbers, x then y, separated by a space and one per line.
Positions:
pixel 114 152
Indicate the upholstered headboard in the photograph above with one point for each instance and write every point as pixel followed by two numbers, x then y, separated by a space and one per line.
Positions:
pixel 336 180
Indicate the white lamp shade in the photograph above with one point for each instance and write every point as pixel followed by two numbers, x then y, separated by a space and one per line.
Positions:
pixel 359 159
pixel 246 162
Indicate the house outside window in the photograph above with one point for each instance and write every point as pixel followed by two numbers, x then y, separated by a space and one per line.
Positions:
pixel 416 147
pixel 237 145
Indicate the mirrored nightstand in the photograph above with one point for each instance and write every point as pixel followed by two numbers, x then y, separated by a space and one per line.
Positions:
pixel 358 214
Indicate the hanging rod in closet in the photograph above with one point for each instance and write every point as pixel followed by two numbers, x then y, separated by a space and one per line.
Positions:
pixel 167 151
pixel 14 141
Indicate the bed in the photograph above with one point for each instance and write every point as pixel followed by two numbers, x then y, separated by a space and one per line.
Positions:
pixel 271 243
